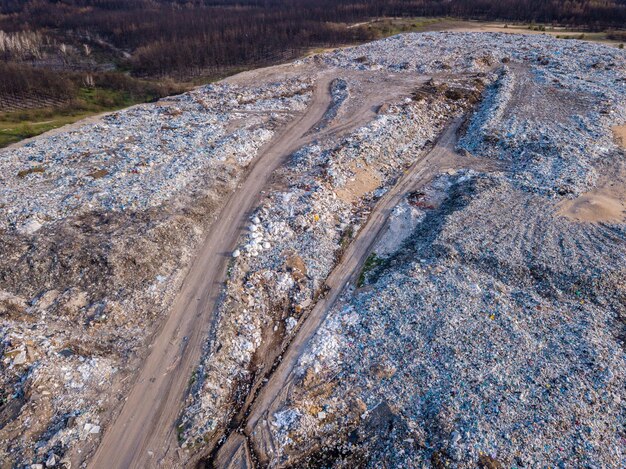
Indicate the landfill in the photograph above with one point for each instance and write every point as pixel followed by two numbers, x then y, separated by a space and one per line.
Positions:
pixel 99 224
pixel 485 328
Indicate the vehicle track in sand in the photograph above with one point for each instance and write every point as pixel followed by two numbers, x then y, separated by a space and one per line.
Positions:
pixel 144 433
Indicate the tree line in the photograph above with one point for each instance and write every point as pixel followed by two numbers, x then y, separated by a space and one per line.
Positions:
pixel 186 38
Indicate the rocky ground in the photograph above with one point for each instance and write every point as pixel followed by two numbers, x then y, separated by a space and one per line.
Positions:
pixel 485 328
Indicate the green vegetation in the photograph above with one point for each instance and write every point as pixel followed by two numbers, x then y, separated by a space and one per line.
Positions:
pixel 391 26
pixel 180 432
pixel 346 238
pixel 110 93
pixel 371 263
pixel 193 378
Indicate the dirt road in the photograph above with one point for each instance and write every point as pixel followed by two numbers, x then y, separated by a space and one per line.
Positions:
pixel 143 435
pixel 235 451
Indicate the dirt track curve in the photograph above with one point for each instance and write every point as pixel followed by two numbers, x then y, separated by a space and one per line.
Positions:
pixel 235 452
pixel 144 432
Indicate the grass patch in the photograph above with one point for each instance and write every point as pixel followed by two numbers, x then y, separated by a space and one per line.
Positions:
pixel 193 378
pixel 112 91
pixel 386 27
pixel 180 433
pixel 12 131
pixel 371 263
pixel 346 238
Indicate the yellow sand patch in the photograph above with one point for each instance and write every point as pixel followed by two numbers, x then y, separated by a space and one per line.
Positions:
pixel 606 203
pixel 365 180
pixel 594 207
pixel 620 135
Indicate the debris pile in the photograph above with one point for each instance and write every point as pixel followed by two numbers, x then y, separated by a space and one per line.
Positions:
pixel 475 339
pixel 565 95
pixel 293 241
pixel 486 330
pixel 139 158
pixel 97 229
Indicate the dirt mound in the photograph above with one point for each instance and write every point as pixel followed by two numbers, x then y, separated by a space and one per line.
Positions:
pixel 619 131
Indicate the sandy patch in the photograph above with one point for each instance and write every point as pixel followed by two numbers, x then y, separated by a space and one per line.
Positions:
pixel 594 207
pixel 365 180
pixel 606 203
pixel 619 131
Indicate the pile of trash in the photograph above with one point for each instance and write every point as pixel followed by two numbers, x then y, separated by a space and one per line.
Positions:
pixel 294 239
pixel 98 226
pixel 141 157
pixel 554 137
pixel 487 330
pixel 492 334
pixel 568 94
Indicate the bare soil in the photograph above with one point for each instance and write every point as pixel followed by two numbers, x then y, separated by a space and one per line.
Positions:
pixel 365 180
pixel 604 204
pixel 620 135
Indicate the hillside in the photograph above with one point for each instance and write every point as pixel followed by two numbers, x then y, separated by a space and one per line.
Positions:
pixel 406 253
